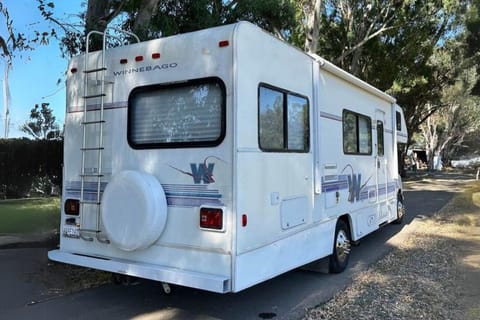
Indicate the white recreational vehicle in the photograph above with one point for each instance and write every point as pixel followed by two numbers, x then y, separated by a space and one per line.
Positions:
pixel 221 158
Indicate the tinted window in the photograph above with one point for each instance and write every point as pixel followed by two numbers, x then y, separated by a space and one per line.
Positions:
pixel 399 121
pixel 271 119
pixel 283 120
pixel 357 133
pixel 380 140
pixel 187 114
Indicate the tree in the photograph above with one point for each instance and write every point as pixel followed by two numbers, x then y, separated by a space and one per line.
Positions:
pixel 312 9
pixel 42 125
pixel 155 18
pixel 12 44
pixel 16 42
pixel 472 25
pixel 388 43
pixel 456 112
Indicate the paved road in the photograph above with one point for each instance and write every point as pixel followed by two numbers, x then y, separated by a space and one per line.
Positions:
pixel 285 297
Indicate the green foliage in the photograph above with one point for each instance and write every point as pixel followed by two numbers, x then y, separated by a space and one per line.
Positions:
pixel 173 17
pixel 170 17
pixel 14 42
pixel 23 161
pixel 472 25
pixel 29 216
pixel 42 123
pixel 398 46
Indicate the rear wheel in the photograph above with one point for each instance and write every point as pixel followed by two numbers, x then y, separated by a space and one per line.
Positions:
pixel 400 210
pixel 338 261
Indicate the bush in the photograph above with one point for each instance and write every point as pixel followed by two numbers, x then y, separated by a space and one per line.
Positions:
pixel 28 166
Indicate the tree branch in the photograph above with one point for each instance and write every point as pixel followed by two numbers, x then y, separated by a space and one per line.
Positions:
pixel 363 42
pixel 3 44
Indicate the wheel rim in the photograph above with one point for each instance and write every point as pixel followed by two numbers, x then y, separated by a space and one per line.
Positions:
pixel 400 209
pixel 342 246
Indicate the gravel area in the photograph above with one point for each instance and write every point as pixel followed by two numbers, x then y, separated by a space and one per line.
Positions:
pixel 433 274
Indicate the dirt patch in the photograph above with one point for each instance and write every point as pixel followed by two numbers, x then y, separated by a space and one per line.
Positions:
pixel 433 274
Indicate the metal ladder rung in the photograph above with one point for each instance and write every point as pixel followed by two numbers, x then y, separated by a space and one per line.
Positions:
pixel 95 96
pixel 93 122
pixel 92 137
pixel 90 230
pixel 94 70
pixel 92 175
pixel 92 149
pixel 90 202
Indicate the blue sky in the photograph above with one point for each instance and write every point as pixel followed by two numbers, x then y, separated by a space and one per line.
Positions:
pixel 33 79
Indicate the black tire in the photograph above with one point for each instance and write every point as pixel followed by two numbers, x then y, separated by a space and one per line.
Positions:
pixel 400 210
pixel 338 260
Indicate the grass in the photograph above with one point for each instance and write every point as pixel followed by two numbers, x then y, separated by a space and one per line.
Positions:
pixel 463 208
pixel 29 216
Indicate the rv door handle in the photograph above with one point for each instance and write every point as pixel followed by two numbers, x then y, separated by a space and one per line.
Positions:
pixel 378 163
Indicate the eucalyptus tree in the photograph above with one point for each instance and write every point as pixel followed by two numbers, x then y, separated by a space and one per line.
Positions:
pixel 472 26
pixel 157 18
pixel 458 111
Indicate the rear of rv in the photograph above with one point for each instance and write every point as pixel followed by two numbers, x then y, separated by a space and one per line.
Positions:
pixel 147 186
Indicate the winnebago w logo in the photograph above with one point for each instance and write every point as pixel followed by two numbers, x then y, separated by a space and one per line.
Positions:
pixel 354 187
pixel 200 172
pixel 354 184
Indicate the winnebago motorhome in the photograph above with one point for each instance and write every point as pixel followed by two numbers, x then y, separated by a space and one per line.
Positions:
pixel 221 158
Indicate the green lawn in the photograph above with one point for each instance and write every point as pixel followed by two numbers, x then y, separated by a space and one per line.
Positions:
pixel 29 215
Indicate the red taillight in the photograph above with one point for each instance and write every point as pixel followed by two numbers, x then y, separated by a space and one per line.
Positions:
pixel 223 43
pixel 72 207
pixel 138 58
pixel 244 220
pixel 211 218
pixel 123 61
pixel 156 55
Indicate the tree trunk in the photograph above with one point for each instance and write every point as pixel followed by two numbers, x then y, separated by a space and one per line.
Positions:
pixel 144 16
pixel 312 30
pixel 98 16
pixel 94 20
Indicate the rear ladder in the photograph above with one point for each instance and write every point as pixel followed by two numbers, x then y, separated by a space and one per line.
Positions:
pixel 91 178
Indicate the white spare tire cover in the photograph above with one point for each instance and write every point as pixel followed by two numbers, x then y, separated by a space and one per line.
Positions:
pixel 134 210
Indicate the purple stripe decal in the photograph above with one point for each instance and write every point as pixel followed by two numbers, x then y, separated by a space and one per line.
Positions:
pixel 330 116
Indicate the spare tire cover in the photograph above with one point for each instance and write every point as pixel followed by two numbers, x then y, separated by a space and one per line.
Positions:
pixel 133 210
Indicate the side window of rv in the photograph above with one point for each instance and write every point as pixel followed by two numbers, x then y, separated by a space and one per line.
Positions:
pixel 283 120
pixel 189 114
pixel 357 133
pixel 399 121
pixel 380 139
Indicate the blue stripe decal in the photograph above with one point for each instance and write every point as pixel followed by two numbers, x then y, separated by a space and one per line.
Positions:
pixel 73 188
pixel 178 195
pixel 367 192
pixel 189 196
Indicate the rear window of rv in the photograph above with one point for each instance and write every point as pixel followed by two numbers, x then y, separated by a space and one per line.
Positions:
pixel 283 120
pixel 357 133
pixel 188 114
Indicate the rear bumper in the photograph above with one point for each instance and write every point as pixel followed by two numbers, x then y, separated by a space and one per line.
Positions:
pixel 204 281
